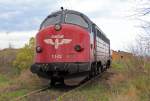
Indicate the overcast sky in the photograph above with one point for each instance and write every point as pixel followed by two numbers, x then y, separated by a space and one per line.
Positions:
pixel 20 19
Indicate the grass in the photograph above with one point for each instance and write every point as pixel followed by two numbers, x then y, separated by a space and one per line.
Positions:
pixel 9 96
pixel 129 83
pixel 125 81
pixel 3 79
pixel 7 92
pixel 119 66
pixel 14 83
pixel 13 87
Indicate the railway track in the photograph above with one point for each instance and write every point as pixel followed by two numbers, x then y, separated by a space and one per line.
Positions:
pixel 64 90
pixel 30 93
pixel 82 85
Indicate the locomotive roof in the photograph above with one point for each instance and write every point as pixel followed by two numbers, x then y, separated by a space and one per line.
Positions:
pixel 79 13
pixel 75 12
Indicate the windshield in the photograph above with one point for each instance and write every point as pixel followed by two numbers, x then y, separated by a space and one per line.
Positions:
pixel 51 20
pixel 76 19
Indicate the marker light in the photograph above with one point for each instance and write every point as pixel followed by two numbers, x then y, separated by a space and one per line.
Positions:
pixel 78 48
pixel 57 27
pixel 38 49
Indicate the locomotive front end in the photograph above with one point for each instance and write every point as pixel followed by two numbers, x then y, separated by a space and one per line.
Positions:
pixel 62 47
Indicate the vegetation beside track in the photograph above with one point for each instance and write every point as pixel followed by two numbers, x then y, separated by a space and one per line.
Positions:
pixel 123 82
pixel 15 77
pixel 17 85
pixel 126 81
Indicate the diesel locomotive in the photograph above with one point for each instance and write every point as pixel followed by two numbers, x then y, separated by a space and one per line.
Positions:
pixel 70 45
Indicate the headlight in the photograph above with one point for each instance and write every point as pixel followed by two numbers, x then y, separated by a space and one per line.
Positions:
pixel 57 27
pixel 78 48
pixel 38 49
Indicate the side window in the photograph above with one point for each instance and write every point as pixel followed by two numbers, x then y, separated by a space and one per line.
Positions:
pixel 76 19
pixel 102 36
pixel 93 29
pixel 98 33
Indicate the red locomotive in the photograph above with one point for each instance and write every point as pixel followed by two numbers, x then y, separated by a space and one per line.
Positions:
pixel 69 45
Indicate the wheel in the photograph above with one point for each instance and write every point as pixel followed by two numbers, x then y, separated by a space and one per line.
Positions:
pixel 92 71
pixel 62 81
pixel 53 82
pixel 102 68
pixel 98 68
pixel 108 64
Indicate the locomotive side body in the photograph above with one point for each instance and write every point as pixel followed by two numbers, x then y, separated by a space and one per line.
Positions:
pixel 102 49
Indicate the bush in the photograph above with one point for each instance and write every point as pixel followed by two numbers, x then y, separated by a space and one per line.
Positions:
pixel 24 57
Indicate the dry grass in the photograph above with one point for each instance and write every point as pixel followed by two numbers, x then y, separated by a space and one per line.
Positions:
pixel 14 83
pixel 18 85
pixel 29 80
pixel 123 82
pixel 126 81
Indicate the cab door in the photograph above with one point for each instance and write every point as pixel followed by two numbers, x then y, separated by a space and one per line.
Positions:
pixel 94 42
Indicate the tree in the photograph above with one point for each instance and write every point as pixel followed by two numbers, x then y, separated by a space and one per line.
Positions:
pixel 25 56
pixel 143 42
pixel 141 48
